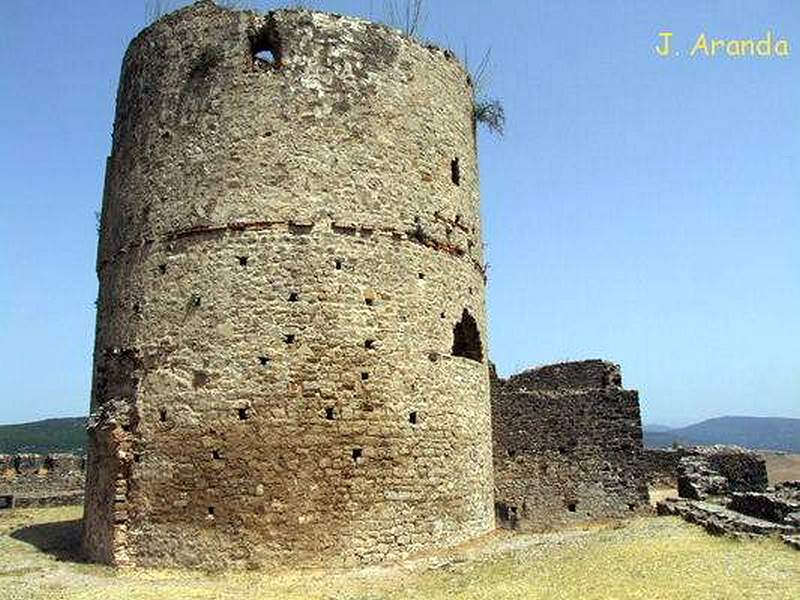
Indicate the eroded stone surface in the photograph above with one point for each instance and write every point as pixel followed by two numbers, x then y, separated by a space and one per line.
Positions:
pixel 716 470
pixel 41 479
pixel 781 505
pixel 567 446
pixel 720 520
pixel 288 247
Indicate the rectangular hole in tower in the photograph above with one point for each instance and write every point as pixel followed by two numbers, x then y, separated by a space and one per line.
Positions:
pixel 243 413
pixel 162 268
pixel 572 506
pixel 216 455
pixel 162 415
pixel 263 360
pixel 369 301
pixel 242 261
pixel 369 344
pixel 330 413
pixel 293 297
pixel 357 453
pixel 338 264
pixel 455 171
pixel 289 338
pixel 412 417
pixel 210 511
pixel 364 375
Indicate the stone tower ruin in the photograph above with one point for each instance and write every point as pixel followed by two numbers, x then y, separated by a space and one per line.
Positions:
pixel 290 356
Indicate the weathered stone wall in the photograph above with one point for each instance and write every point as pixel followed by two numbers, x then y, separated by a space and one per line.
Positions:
pixel 661 464
pixel 717 470
pixel 567 446
pixel 38 479
pixel 289 359
pixel 745 469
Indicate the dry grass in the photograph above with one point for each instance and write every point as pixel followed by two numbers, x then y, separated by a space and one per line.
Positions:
pixel 657 494
pixel 782 467
pixel 648 558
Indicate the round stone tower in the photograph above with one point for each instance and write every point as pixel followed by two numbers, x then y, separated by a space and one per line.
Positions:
pixel 290 357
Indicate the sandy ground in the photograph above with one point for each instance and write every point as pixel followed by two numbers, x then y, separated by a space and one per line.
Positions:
pixel 647 557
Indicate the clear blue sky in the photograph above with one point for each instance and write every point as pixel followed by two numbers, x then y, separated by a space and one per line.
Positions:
pixel 641 209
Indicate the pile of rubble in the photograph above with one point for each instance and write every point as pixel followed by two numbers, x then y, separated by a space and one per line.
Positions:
pixel 724 489
pixel 37 480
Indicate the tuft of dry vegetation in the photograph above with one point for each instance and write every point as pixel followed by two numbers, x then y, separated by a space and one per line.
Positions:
pixel 647 558
pixel 406 15
pixel 487 111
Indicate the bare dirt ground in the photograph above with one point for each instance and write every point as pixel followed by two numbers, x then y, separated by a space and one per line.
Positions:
pixel 782 466
pixel 647 557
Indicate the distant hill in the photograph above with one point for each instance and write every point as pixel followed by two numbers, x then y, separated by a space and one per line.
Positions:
pixel 653 427
pixel 41 437
pixel 766 433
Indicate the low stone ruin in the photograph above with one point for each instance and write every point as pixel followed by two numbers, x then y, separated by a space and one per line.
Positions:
pixel 717 470
pixel 724 489
pixel 743 469
pixel 37 480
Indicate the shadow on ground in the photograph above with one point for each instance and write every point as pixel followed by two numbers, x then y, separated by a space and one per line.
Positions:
pixel 61 539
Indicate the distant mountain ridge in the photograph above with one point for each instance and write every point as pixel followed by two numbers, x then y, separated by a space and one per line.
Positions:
pixel 765 433
pixel 42 437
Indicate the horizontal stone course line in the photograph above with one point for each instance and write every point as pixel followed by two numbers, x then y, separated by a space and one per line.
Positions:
pixel 303 228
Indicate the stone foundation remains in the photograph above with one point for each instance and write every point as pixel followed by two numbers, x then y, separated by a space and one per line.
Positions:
pixel 774 512
pixel 567 446
pixel 724 489
pixel 35 480
pixel 742 469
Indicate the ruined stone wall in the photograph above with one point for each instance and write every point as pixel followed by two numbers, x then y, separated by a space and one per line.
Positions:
pixel 661 464
pixel 38 479
pixel 717 470
pixel 290 349
pixel 743 469
pixel 567 446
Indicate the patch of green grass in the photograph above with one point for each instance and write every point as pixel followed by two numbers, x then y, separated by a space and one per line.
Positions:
pixel 50 435
pixel 648 558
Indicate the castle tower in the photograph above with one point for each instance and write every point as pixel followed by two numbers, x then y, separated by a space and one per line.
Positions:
pixel 290 357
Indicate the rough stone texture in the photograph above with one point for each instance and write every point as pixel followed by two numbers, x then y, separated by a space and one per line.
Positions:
pixel 697 480
pixel 567 446
pixel 781 505
pixel 661 464
pixel 719 520
pixel 40 476
pixel 57 498
pixel 717 470
pixel 751 513
pixel 23 474
pixel 290 348
pixel 744 469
